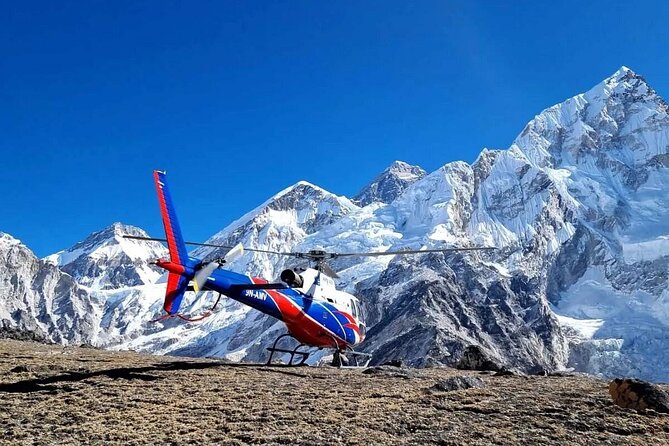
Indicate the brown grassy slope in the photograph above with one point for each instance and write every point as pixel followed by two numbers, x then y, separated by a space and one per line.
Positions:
pixel 56 395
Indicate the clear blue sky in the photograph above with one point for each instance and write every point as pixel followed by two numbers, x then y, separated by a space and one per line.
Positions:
pixel 237 99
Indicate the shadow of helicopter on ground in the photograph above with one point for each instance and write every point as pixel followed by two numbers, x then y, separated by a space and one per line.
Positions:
pixel 48 384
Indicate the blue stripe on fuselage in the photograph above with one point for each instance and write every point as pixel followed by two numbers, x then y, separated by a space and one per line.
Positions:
pixel 223 282
pixel 322 312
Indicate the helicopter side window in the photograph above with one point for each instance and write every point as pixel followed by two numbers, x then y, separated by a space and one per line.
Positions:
pixel 354 308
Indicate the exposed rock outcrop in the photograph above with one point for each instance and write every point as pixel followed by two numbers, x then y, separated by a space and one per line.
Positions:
pixel 639 395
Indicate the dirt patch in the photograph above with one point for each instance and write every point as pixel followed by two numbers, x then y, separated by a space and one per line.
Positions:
pixel 72 396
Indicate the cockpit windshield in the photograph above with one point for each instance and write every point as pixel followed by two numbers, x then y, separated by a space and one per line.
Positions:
pixel 357 311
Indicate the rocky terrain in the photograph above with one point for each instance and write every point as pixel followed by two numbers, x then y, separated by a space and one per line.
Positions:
pixel 577 207
pixel 69 396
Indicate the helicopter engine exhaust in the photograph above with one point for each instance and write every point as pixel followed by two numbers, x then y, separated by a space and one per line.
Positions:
pixel 291 278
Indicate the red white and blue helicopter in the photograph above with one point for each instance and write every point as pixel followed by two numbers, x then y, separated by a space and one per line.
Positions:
pixel 316 314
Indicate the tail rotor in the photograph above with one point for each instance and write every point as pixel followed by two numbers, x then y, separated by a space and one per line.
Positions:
pixel 203 274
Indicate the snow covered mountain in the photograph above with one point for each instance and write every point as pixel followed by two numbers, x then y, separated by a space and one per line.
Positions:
pixel 607 152
pixel 235 331
pixel 106 260
pixel 38 298
pixel 279 224
pixel 389 184
pixel 577 207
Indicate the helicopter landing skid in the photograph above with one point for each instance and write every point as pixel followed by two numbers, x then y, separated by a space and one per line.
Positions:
pixel 350 359
pixel 297 358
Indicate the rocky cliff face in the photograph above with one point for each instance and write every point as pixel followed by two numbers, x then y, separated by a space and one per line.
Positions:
pixel 38 298
pixel 576 207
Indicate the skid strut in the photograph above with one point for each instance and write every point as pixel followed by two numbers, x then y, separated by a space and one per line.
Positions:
pixel 297 357
pixel 349 358
pixel 346 357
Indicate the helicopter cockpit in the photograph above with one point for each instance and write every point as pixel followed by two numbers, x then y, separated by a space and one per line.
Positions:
pixel 320 286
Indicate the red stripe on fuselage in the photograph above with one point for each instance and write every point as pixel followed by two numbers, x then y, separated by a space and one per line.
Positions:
pixel 302 326
pixel 353 325
pixel 346 315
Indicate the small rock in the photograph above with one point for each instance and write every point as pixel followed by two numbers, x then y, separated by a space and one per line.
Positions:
pixel 639 395
pixel 473 358
pixel 508 372
pixel 458 383
pixel 394 363
pixel 561 374
pixel 538 371
pixel 392 371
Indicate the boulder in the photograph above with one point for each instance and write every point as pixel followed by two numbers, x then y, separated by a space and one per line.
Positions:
pixel 508 372
pixel 639 395
pixel 394 363
pixel 391 371
pixel 473 358
pixel 458 383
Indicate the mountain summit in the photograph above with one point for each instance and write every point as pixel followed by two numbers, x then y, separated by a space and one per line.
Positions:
pixel 389 184
pixel 106 260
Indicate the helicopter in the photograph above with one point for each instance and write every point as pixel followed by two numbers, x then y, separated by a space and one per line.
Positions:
pixel 316 314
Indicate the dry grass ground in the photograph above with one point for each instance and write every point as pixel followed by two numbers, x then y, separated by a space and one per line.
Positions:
pixel 67 396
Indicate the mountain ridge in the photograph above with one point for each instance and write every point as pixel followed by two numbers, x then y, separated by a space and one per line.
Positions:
pixel 573 205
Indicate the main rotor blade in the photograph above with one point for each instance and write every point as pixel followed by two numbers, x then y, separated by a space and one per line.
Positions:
pixel 321 255
pixel 135 237
pixel 405 252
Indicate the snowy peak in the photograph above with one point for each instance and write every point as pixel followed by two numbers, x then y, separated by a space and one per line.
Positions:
pixel 624 86
pixel 279 224
pixel 13 253
pixel 107 260
pixel 390 184
pixel 108 242
pixel 7 241
pixel 405 170
pixel 623 75
pixel 620 122
pixel 302 204
pixel 311 206
pixel 437 202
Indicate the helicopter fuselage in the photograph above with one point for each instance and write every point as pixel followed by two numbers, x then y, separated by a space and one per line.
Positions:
pixel 317 314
